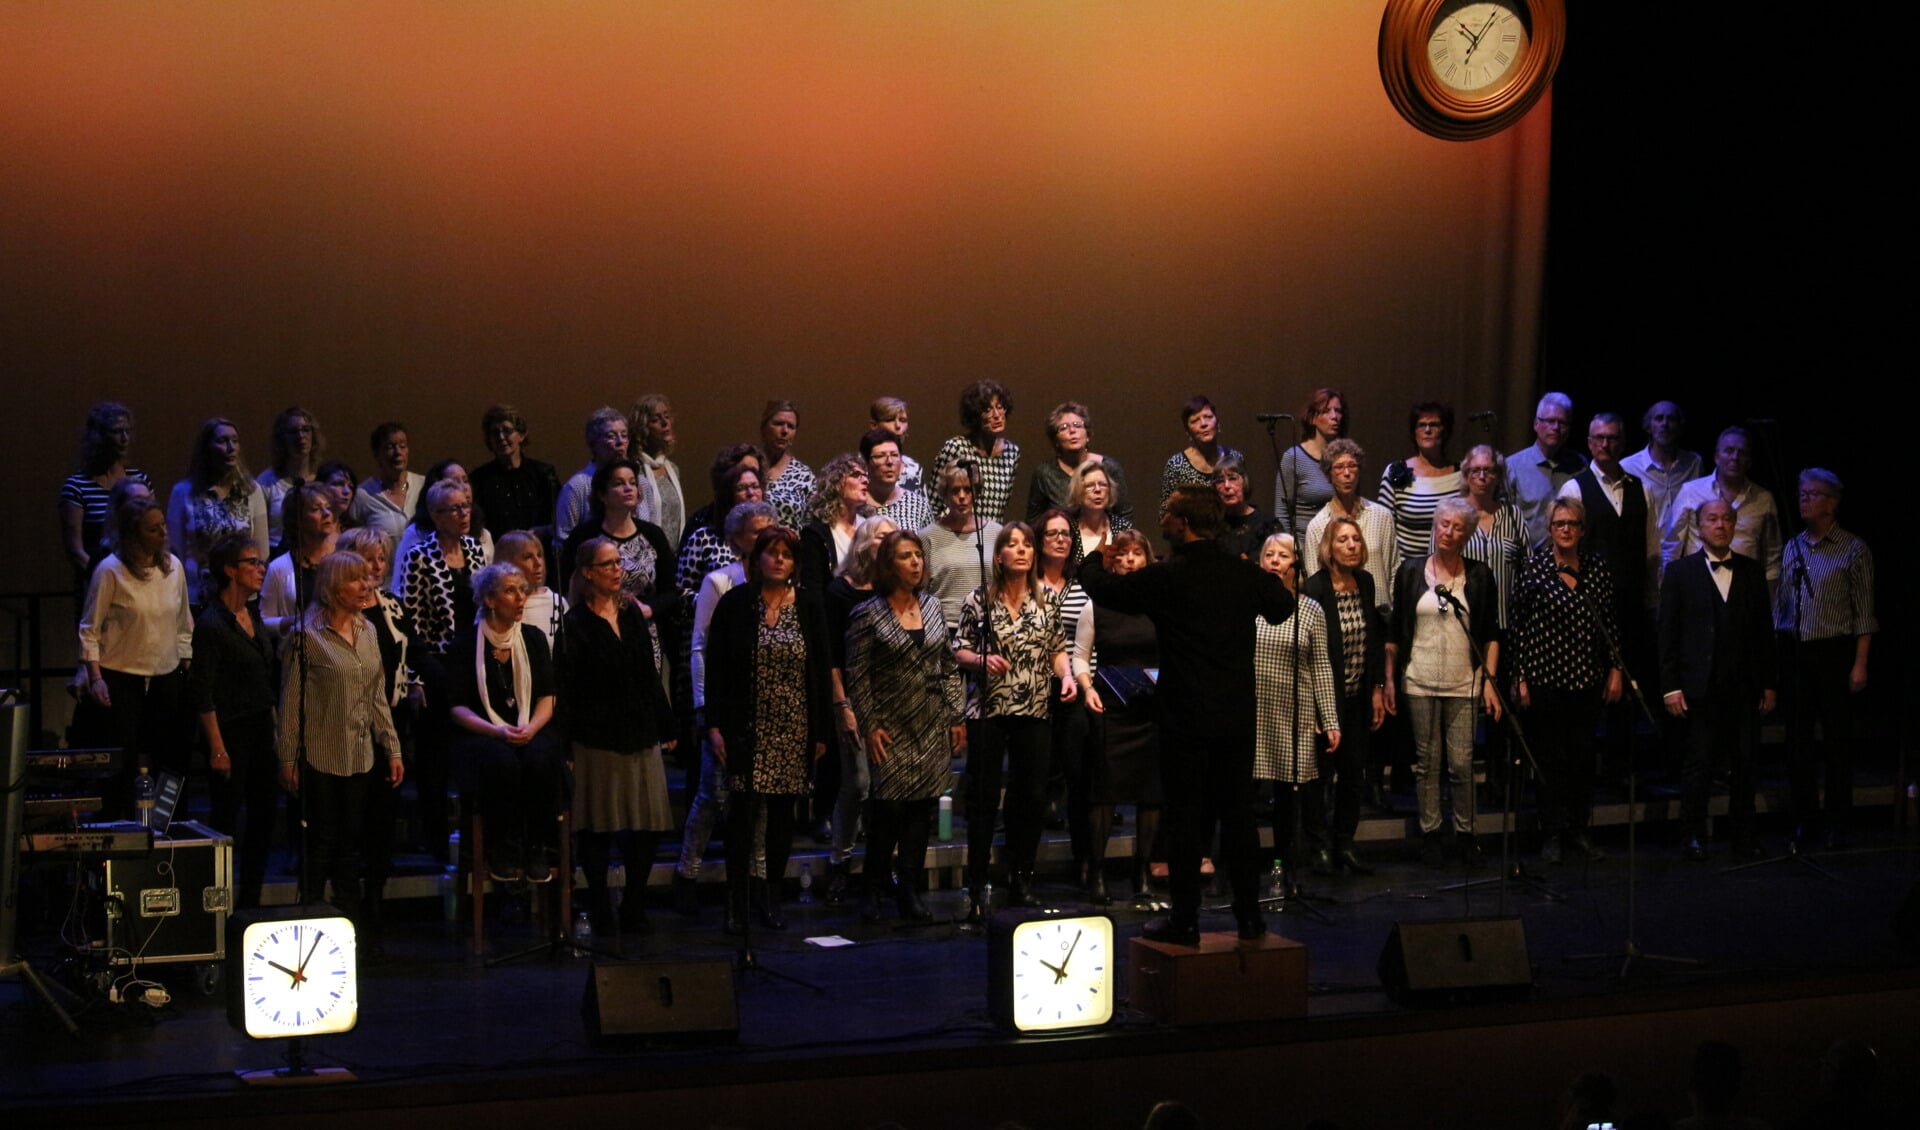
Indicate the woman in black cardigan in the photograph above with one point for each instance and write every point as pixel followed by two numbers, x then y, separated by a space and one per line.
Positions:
pixel 617 716
pixel 1439 667
pixel 1357 643
pixel 768 699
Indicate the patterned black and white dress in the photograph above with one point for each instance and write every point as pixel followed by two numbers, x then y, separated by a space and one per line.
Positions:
pixel 906 683
pixel 997 473
pixel 1180 472
pixel 1284 749
pixel 780 706
pixel 788 494
pixel 1028 641
pixel 434 597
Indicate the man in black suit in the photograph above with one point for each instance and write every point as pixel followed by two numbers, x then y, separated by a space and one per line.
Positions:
pixel 1717 666
pixel 1202 601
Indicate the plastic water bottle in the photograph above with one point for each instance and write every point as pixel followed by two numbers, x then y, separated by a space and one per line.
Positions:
pixel 1277 881
pixel 986 898
pixel 582 934
pixel 143 794
pixel 946 818
pixel 806 881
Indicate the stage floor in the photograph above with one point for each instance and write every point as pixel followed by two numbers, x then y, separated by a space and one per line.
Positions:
pixel 436 1023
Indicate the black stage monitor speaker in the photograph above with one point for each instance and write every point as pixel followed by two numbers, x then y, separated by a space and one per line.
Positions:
pixel 661 1000
pixel 1456 961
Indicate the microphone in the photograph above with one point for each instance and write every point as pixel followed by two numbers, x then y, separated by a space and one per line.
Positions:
pixel 1483 414
pixel 1568 570
pixel 1271 417
pixel 1443 596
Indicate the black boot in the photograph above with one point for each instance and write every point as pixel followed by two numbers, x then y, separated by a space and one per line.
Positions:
pixel 686 896
pixel 1345 859
pixel 766 896
pixel 1020 889
pixel 839 876
pixel 633 912
pixel 906 898
pixel 1142 881
pixel 1097 892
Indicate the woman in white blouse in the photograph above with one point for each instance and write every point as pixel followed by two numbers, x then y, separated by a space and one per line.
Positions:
pixel 136 635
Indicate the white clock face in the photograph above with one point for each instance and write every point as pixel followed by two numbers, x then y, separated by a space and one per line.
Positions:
pixel 300 978
pixel 1063 972
pixel 1473 46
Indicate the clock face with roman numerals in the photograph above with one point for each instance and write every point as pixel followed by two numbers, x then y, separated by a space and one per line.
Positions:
pixel 1474 45
pixel 298 977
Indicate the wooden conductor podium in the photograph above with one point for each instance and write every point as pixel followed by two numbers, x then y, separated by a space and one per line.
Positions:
pixel 1222 981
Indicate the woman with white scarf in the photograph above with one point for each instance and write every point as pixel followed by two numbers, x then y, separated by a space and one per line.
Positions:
pixel 501 681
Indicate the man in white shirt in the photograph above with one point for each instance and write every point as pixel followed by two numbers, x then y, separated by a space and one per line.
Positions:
pixel 1663 468
pixel 1756 530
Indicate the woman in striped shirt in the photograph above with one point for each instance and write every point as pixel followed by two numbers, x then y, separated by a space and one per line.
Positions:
pixel 1411 489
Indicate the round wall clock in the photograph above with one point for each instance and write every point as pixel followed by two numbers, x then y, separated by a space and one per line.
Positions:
pixel 292 972
pixel 1466 69
pixel 1050 972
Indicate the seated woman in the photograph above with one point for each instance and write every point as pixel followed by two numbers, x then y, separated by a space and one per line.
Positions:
pixel 339 738
pixel 904 685
pixel 619 721
pixel 768 702
pixel 234 685
pixel 1298 701
pixel 838 502
pixel 217 499
pixel 1123 767
pixel 500 676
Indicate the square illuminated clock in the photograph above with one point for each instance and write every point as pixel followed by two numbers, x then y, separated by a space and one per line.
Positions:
pixel 292 971
pixel 1049 971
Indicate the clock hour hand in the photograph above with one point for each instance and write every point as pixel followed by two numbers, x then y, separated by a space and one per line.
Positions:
pixel 293 973
pixel 1059 971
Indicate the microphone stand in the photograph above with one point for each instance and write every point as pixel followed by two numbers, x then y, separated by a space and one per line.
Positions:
pixel 1510 866
pixel 1629 947
pixel 983 679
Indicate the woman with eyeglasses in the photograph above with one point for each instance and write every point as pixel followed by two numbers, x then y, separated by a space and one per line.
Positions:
pixel 439 599
pixel 1055 572
pixel 619 722
pixel 1412 489
pixel 514 490
pixel 1563 671
pixel 1068 427
pixel 422 526
pixel 985 407
pixel 234 686
pixel 1499 536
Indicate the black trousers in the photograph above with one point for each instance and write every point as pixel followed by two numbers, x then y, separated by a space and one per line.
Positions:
pixel 1346 766
pixel 1721 729
pixel 147 717
pixel 252 789
pixel 517 787
pixel 904 824
pixel 1562 724
pixel 1302 806
pixel 740 823
pixel 1208 780
pixel 1024 744
pixel 1818 672
pixel 336 811
pixel 432 756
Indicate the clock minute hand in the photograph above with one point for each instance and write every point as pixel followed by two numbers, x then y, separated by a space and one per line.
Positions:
pixel 301 974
